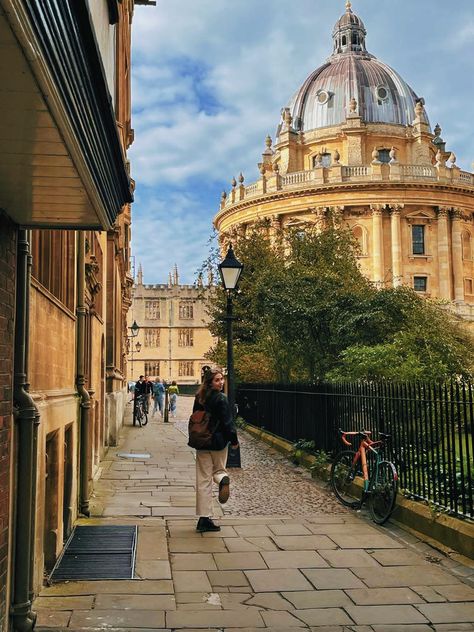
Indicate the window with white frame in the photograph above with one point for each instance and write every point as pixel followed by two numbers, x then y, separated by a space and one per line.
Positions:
pixel 185 338
pixel 152 337
pixel 186 368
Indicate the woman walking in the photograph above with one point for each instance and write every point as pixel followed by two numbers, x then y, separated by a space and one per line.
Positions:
pixel 211 462
pixel 173 392
pixel 159 395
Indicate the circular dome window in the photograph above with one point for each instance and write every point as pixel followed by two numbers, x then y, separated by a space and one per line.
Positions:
pixel 323 97
pixel 382 93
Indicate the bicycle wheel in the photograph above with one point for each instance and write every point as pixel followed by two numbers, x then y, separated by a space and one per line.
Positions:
pixel 144 418
pixel 342 479
pixel 383 492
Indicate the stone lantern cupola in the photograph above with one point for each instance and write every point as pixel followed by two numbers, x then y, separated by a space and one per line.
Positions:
pixel 349 33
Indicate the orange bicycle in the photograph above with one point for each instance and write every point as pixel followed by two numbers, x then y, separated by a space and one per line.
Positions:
pixel 357 477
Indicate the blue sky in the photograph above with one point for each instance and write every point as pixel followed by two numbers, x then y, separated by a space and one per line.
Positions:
pixel 209 78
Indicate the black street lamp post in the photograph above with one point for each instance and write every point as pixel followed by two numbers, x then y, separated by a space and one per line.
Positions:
pixel 230 270
pixel 133 334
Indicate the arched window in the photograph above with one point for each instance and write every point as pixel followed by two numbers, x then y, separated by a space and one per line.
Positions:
pixel 361 234
pixel 344 40
pixel 466 245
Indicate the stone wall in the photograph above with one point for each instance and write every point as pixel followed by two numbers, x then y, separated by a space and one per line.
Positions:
pixel 115 404
pixel 7 327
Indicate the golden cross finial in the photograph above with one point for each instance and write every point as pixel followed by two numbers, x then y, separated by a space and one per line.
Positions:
pixel 348 5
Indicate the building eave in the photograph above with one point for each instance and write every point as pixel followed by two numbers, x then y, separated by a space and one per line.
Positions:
pixel 64 164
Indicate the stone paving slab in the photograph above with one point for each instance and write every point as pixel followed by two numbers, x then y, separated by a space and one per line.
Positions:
pixel 135 602
pixel 293 559
pixel 383 596
pixel 123 587
pixel 318 567
pixel 399 614
pixel 323 616
pixel 404 576
pixel 227 579
pixel 190 581
pixel 317 599
pixel 448 612
pixel 193 562
pixel 304 542
pixel 457 592
pixel 249 544
pixel 277 581
pixel 118 618
pixel 349 558
pixel 223 618
pixel 236 561
pixel 326 578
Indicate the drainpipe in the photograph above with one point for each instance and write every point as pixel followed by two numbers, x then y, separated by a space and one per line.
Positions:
pixel 29 263
pixel 85 405
pixel 26 417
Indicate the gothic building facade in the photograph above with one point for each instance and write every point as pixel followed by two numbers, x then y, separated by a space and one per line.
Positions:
pixel 65 285
pixel 173 335
pixel 355 142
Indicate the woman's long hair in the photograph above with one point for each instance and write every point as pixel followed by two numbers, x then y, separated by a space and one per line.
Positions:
pixel 206 386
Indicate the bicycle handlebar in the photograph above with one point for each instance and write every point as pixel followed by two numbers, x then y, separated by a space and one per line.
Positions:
pixel 363 434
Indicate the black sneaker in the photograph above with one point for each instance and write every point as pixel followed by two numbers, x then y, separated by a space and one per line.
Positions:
pixel 224 490
pixel 206 524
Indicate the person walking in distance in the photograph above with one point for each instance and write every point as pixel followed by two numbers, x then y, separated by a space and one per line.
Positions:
pixel 211 462
pixel 158 395
pixel 173 392
pixel 148 392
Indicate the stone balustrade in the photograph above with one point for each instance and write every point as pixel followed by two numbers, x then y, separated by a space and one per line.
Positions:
pixel 341 174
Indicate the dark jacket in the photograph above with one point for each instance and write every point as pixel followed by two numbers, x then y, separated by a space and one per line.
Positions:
pixel 222 422
pixel 140 388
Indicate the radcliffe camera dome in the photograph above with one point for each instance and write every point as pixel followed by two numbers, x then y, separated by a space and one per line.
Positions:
pixel 351 72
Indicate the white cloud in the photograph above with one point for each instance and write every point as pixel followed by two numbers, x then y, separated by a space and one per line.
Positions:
pixel 210 78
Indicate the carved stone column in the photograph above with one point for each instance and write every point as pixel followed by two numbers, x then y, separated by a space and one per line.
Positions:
pixel 457 255
pixel 320 213
pixel 275 227
pixel 444 263
pixel 395 210
pixel 377 244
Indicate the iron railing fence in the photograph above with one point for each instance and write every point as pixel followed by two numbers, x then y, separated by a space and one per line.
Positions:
pixel 431 428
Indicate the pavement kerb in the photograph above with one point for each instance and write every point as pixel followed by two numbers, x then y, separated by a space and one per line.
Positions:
pixel 444 532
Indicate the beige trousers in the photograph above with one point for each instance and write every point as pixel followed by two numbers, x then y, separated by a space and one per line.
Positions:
pixel 210 466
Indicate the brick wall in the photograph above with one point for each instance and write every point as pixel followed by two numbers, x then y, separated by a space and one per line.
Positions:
pixel 7 310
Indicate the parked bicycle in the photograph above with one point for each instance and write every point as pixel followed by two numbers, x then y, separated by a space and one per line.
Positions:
pixel 140 410
pixel 364 476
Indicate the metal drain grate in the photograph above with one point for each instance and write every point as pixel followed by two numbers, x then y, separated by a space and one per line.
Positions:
pixel 98 552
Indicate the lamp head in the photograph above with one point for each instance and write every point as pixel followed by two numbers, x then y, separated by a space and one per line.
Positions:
pixel 230 270
pixel 134 328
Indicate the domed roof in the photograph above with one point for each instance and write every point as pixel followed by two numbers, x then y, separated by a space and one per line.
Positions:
pixel 351 72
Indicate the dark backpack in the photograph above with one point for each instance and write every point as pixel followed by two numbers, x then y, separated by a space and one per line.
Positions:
pixel 199 430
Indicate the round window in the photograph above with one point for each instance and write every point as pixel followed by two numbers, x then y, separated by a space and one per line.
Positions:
pixel 323 97
pixel 382 93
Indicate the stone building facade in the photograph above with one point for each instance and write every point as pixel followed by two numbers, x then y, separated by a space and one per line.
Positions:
pixel 65 284
pixel 355 143
pixel 173 335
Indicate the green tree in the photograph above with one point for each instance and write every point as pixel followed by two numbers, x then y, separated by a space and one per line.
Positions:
pixel 306 312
